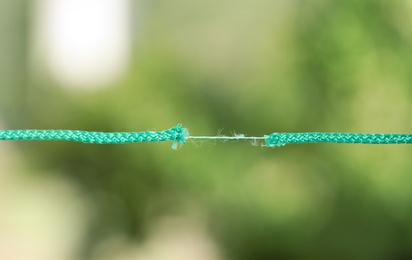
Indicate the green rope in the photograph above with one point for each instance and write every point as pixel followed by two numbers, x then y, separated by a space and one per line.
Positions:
pixel 176 134
pixel 281 139
pixel 179 136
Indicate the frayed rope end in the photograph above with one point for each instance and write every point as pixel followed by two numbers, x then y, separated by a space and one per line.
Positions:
pixel 181 135
pixel 274 140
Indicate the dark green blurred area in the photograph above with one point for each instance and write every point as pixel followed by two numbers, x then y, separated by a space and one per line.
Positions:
pixel 254 67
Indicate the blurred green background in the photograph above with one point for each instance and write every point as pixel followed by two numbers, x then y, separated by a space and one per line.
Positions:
pixel 252 67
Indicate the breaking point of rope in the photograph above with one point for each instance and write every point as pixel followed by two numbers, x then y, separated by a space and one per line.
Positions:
pixel 179 135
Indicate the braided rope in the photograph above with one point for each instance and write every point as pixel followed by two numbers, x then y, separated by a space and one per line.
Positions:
pixel 176 134
pixel 179 136
pixel 281 139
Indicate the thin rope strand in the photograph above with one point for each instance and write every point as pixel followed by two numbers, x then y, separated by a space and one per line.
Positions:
pixel 226 137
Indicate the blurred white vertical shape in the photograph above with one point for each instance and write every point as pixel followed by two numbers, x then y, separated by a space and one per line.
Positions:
pixel 83 43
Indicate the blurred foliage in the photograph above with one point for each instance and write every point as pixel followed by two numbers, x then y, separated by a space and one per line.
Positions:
pixel 253 67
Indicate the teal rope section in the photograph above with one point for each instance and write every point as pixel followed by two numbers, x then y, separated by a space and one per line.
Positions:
pixel 176 134
pixel 179 135
pixel 281 139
